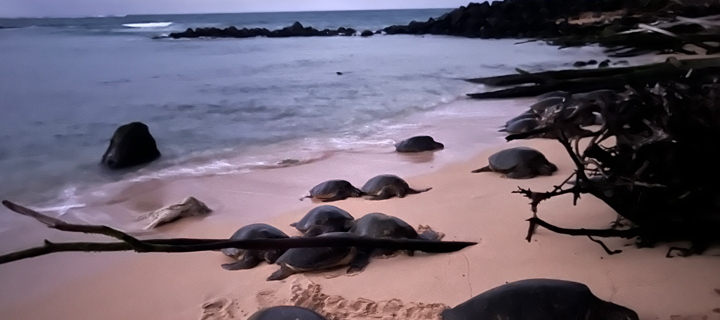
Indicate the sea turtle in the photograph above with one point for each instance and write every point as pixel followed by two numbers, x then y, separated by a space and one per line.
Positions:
pixel 519 163
pixel 386 186
pixel 298 260
pixel 418 144
pixel 324 219
pixel 250 258
pixel 333 190
pixel 529 114
pixel 539 299
pixel 380 225
pixel 522 125
pixel 286 313
pixel 540 106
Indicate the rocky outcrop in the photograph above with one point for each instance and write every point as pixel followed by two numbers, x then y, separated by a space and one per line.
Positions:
pixel 131 145
pixel 367 33
pixel 296 30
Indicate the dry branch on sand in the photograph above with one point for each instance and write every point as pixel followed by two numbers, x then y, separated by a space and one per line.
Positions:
pixel 130 243
pixel 660 174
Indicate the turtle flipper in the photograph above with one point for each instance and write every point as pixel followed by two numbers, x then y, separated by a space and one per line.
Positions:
pixel 247 261
pixel 361 260
pixel 303 198
pixel 413 191
pixel 282 273
pixel 483 169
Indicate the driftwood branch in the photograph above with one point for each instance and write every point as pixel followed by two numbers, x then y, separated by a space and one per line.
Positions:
pixel 603 233
pixel 130 243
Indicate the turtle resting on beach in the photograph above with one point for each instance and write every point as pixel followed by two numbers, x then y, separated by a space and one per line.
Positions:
pixel 519 163
pixel 539 299
pixel 333 190
pixel 297 260
pixel 250 258
pixel 324 219
pixel 188 208
pixel 286 313
pixel 418 144
pixel 380 225
pixel 386 186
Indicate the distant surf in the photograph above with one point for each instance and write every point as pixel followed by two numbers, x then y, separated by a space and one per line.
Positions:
pixel 148 25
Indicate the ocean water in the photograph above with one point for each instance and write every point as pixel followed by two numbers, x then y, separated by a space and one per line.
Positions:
pixel 222 105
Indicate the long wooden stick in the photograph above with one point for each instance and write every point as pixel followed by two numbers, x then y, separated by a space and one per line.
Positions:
pixel 130 243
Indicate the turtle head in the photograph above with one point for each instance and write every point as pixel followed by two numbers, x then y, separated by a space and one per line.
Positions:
pixel 232 252
pixel 439 145
pixel 356 193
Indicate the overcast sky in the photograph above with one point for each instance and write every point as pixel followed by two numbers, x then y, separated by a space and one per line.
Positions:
pixel 80 8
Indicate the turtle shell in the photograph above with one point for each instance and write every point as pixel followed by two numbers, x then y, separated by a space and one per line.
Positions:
pixel 522 125
pixel 380 225
pixel 286 313
pixel 307 259
pixel 418 144
pixel 375 184
pixel 330 187
pixel 508 159
pixel 253 231
pixel 326 215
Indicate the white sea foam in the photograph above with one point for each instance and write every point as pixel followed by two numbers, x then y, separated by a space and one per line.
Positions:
pixel 148 25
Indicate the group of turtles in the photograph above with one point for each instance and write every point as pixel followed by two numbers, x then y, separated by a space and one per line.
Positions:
pixel 537 299
pixel 322 221
pixel 380 187
pixel 541 299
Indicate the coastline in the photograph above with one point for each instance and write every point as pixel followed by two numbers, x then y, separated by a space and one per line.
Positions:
pixel 464 206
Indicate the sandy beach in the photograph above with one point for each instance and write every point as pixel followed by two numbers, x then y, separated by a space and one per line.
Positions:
pixel 463 205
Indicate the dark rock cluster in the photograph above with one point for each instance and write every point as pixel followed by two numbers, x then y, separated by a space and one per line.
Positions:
pixel 510 18
pixel 296 30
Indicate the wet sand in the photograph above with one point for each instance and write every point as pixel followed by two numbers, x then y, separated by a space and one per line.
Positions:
pixel 464 206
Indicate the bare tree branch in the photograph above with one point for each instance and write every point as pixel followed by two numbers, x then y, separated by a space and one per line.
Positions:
pixel 130 243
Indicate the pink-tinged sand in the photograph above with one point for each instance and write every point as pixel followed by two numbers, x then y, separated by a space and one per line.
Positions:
pixel 464 206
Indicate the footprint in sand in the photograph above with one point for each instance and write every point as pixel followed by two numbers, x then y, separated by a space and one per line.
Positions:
pixel 220 309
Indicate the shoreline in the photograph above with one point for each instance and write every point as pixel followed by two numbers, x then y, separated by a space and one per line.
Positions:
pixel 464 206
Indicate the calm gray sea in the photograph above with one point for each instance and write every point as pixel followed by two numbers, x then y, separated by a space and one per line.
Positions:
pixel 217 105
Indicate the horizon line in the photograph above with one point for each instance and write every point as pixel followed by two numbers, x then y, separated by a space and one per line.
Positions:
pixel 191 13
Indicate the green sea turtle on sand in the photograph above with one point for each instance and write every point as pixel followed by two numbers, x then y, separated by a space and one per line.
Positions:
pixel 519 163
pixel 380 225
pixel 286 313
pixel 418 144
pixel 333 190
pixel 386 186
pixel 539 299
pixel 298 260
pixel 250 258
pixel 324 219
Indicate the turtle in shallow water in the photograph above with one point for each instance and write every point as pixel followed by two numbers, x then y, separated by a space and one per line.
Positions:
pixel 418 144
pixel 539 299
pixel 286 313
pixel 250 258
pixel 298 260
pixel 386 186
pixel 519 163
pixel 380 225
pixel 324 219
pixel 333 190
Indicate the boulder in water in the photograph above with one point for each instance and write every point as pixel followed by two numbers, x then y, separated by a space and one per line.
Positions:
pixel 131 145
